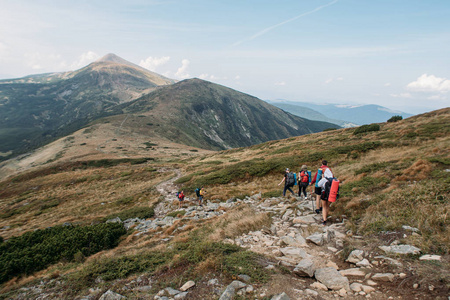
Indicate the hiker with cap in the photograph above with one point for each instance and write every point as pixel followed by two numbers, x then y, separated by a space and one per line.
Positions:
pixel 289 181
pixel 303 181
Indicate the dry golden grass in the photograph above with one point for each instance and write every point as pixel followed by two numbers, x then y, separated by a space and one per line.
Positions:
pixel 237 221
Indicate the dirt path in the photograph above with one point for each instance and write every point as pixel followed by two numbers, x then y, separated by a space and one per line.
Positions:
pixel 167 190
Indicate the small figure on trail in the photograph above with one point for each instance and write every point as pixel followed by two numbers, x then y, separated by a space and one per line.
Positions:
pixel 199 192
pixel 180 199
pixel 289 181
pixel 303 181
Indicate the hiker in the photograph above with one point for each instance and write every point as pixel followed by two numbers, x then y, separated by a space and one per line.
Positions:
pixel 303 181
pixel 325 184
pixel 180 199
pixel 289 181
pixel 200 192
pixel 323 172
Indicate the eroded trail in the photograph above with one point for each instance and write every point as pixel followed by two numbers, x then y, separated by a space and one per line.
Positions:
pixel 167 190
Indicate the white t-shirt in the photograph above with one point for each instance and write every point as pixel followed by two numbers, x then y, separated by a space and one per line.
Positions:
pixel 322 182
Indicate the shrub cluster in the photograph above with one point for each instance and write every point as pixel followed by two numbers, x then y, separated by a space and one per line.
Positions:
pixel 34 251
pixel 141 212
pixel 395 119
pixel 366 128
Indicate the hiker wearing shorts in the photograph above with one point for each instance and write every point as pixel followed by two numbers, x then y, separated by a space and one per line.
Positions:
pixel 287 186
pixel 303 181
pixel 317 191
pixel 327 175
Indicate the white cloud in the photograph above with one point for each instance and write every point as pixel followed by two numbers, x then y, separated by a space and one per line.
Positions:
pixel 387 84
pixel 401 95
pixel 437 97
pixel 84 59
pixel 330 80
pixel 430 83
pixel 237 77
pixel 182 71
pixel 282 83
pixel 151 63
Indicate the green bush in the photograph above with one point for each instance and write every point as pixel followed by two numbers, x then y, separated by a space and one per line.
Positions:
pixel 34 251
pixel 176 213
pixel 395 119
pixel 141 212
pixel 366 128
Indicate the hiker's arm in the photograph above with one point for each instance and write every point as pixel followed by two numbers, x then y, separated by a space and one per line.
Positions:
pixel 281 181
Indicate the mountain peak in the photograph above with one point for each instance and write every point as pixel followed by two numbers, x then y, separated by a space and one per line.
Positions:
pixel 111 57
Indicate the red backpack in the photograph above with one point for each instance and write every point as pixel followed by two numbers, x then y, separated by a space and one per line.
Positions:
pixel 304 176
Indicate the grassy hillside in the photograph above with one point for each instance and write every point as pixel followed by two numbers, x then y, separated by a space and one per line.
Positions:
pixel 394 175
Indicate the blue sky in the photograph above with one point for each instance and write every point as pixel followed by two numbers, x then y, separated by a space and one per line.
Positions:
pixel 393 53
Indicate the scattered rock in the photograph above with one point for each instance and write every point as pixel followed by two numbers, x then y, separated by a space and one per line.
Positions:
pixel 316 238
pixel 228 294
pixel 356 287
pixel 238 284
pixel 353 272
pixel 332 279
pixel 383 277
pixel 367 289
pixel 355 256
pixel 363 263
pixel 282 296
pixel 110 295
pixel 244 277
pixel 311 293
pixel 342 292
pixel 409 228
pixel 400 249
pixel 319 286
pixel 305 267
pixel 187 286
pixel 304 220
pixel 430 257
pixel 294 252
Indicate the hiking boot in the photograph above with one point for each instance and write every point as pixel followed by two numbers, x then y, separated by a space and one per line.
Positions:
pixel 324 222
pixel 306 198
pixel 317 211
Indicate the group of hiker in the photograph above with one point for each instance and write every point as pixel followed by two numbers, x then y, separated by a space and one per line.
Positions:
pixel 199 192
pixel 323 185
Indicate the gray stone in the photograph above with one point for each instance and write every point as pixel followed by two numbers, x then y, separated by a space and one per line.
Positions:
pixel 367 289
pixel 244 277
pixel 187 285
pixel 400 249
pixel 353 272
pixel 110 295
pixel 316 238
pixel 298 241
pixel 180 296
pixel 383 277
pixel 238 284
pixel 312 293
pixel 355 256
pixel 305 267
pixel 356 287
pixel 304 220
pixel 213 282
pixel 294 252
pixel 332 279
pixel 319 286
pixel 172 291
pixel 144 288
pixel 409 228
pixel 391 261
pixel 282 296
pixel 430 257
pixel 328 236
pixel 364 263
pixel 228 294
pixel 115 220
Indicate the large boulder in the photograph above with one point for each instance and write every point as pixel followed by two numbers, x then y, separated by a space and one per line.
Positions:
pixel 305 267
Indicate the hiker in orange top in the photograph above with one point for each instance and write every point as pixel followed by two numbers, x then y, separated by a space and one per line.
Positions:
pixel 180 199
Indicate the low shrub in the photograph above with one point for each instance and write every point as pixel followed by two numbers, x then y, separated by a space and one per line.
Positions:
pixel 176 213
pixel 141 212
pixel 34 251
pixel 395 119
pixel 366 128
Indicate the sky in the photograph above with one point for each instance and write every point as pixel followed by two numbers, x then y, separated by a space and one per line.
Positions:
pixel 394 53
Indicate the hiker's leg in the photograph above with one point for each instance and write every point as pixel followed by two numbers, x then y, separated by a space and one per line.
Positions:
pixel 317 201
pixel 325 209
pixel 292 191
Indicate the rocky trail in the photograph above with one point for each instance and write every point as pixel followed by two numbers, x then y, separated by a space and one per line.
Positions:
pixel 317 265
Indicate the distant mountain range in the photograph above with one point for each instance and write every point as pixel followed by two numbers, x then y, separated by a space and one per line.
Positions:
pixel 37 109
pixel 343 115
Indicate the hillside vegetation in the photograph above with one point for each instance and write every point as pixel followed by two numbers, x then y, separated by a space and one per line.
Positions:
pixel 392 175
